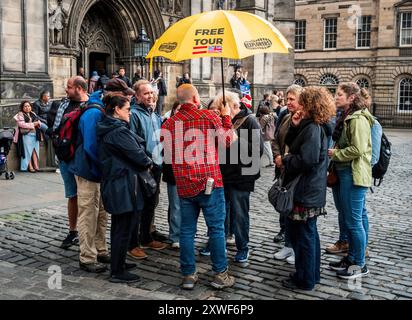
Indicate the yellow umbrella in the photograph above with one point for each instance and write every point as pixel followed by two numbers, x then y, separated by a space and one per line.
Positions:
pixel 219 33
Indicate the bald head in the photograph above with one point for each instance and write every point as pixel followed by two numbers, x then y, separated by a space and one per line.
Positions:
pixel 187 93
pixel 77 89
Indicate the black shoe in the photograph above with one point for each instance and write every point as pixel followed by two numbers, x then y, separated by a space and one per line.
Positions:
pixel 104 259
pixel 343 264
pixel 291 284
pixel 125 277
pixel 71 239
pixel 352 272
pixel 130 266
pixel 279 237
pixel 95 267
pixel 157 236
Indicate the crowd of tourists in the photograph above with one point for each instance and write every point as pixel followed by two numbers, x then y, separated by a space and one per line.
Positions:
pixel 121 144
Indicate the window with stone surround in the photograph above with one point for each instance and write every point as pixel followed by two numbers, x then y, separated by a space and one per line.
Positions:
pixel 329 81
pixel 363 83
pixel 405 95
pixel 300 35
pixel 330 33
pixel 299 81
pixel 405 34
pixel 363 33
pixel 201 69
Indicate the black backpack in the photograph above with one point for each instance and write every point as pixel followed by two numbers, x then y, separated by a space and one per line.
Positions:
pixel 65 138
pixel 380 168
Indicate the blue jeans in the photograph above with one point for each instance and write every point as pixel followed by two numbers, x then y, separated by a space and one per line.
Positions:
pixel 175 217
pixel 354 215
pixel 70 186
pixel 343 233
pixel 306 245
pixel 337 197
pixel 237 210
pixel 213 208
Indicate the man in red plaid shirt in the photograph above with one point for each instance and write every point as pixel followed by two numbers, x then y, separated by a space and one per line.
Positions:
pixel 189 139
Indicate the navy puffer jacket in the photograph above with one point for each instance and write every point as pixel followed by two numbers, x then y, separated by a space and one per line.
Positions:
pixel 122 155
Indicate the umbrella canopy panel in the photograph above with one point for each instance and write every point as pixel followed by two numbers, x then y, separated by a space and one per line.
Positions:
pixel 220 33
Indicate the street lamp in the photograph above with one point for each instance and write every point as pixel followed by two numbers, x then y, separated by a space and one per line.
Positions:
pixel 141 47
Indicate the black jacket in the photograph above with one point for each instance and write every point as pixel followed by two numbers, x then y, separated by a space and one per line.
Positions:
pixel 308 147
pixel 101 83
pixel 161 85
pixel 127 80
pixel 41 110
pixel 243 172
pixel 121 155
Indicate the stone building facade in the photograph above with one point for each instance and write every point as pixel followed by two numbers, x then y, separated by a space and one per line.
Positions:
pixel 44 42
pixel 366 41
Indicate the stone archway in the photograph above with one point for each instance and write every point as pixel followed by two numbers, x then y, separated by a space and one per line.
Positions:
pixel 119 23
pixel 98 37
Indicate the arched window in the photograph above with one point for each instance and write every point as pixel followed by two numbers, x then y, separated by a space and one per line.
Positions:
pixel 363 83
pixel 329 80
pixel 299 81
pixel 405 95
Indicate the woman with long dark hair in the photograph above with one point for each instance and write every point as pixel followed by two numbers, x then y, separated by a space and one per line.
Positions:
pixel 352 158
pixel 27 137
pixel 122 155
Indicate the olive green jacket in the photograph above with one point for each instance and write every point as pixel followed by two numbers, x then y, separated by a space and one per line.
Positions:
pixel 355 146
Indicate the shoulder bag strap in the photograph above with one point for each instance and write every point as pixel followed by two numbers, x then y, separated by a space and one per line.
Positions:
pixel 239 122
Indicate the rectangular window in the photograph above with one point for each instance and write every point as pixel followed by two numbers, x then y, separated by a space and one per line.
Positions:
pixel 206 68
pixel 195 69
pixel 330 33
pixel 406 29
pixel 363 33
pixel 300 35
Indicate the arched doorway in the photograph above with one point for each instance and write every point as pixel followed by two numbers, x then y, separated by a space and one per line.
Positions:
pixel 99 61
pixel 103 31
pixel 98 42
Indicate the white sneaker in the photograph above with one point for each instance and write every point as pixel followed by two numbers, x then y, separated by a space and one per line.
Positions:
pixel 291 259
pixel 175 245
pixel 283 253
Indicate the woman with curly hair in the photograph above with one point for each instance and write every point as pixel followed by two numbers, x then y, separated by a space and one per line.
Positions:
pixel 307 161
pixel 352 158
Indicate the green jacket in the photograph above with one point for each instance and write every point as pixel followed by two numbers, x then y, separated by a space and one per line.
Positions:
pixel 355 146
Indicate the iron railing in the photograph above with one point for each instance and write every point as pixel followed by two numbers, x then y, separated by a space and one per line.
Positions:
pixel 391 117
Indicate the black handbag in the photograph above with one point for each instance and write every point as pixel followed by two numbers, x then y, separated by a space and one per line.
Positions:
pixel 147 183
pixel 281 197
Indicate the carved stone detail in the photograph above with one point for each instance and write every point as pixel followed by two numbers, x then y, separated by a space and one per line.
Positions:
pixel 57 23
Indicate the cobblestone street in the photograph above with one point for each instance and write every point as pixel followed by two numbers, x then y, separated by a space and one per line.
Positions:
pixel 30 240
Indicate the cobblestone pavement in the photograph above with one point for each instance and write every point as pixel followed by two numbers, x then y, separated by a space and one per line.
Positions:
pixel 30 239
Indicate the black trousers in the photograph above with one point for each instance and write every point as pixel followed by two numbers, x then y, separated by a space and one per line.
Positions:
pixel 122 228
pixel 148 212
